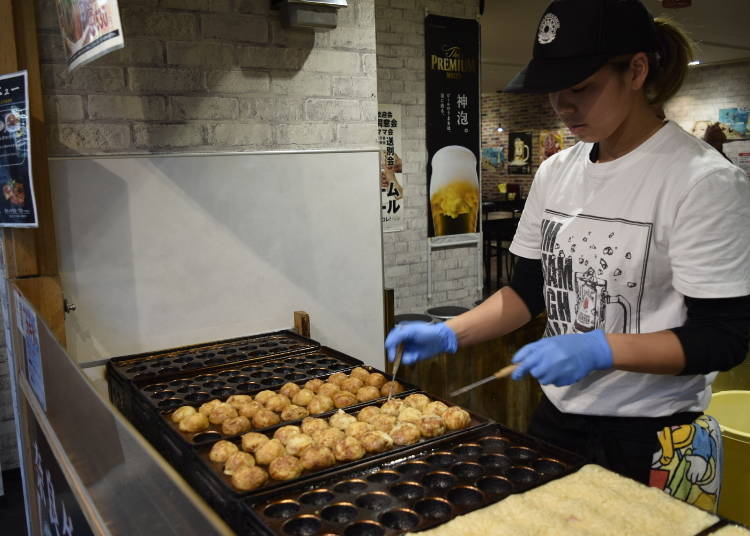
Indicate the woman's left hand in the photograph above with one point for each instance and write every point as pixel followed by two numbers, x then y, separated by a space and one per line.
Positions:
pixel 564 359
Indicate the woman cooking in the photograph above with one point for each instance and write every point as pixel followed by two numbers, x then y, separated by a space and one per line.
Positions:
pixel 635 242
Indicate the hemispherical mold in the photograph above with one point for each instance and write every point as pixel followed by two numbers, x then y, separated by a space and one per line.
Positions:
pixel 439 480
pixel 213 384
pixel 227 351
pixel 304 366
pixel 466 496
pixel 137 368
pixel 191 365
pixel 498 462
pixel 191 388
pixel 521 454
pixel 442 459
pixel 269 344
pixel 295 376
pixel 549 467
pixel 199 396
pixel 222 392
pixel 407 491
pixel 248 386
pixel 205 437
pixel 282 509
pixel 175 384
pixel 384 477
pixel 336 366
pixel 214 361
pixel 304 525
pixel 523 476
pixel 238 379
pixel 143 376
pixel 414 468
pixel 170 403
pixel 161 395
pixel 494 443
pixel 468 450
pixel 155 387
pixel 169 370
pixel 204 378
pixel 275 380
pixel 365 528
pixel 281 371
pixel 495 485
pixel 317 497
pixel 467 470
pixel 434 508
pixel 261 374
pixel 354 485
pixel 340 513
pixel 326 361
pixel 227 374
pixel 400 519
pixel 184 359
pixel 376 500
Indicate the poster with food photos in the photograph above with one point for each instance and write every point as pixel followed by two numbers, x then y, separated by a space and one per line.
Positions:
pixel 17 204
pixel 89 28
pixel 391 168
pixel 453 126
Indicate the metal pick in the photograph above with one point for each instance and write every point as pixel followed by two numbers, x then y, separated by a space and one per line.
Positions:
pixel 502 373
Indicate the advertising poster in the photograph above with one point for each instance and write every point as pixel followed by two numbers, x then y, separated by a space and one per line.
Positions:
pixel 391 168
pixel 17 205
pixel 492 158
pixel 519 153
pixel 551 142
pixel 734 122
pixel 453 124
pixel 26 322
pixel 90 29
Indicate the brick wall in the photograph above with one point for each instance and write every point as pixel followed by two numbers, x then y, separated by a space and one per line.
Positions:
pixel 400 67
pixel 213 75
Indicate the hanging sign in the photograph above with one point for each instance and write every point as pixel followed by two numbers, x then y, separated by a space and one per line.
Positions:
pixel 453 124
pixel 391 168
pixel 90 29
pixel 17 204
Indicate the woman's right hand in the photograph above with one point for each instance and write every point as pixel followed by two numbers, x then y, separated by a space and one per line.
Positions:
pixel 421 340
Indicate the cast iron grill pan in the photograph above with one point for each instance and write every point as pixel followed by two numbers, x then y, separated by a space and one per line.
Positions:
pixel 416 488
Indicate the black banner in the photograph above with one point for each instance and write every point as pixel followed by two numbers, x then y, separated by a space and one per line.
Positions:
pixel 453 124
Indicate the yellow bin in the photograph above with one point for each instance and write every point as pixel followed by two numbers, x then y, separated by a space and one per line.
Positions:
pixel 732 410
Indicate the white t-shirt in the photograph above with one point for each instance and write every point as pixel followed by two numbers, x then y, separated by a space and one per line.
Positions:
pixel 622 243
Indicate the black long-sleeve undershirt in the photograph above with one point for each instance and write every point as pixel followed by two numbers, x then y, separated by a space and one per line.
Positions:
pixel 713 337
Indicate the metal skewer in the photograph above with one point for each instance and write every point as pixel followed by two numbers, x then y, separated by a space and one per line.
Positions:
pixel 396 364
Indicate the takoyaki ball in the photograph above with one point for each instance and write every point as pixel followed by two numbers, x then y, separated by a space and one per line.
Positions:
pixel 285 468
pixel 220 413
pixel 358 429
pixel 368 413
pixel 417 400
pixel 328 389
pixel 303 397
pixel 391 388
pixel 434 408
pixel 348 449
pixel 328 437
pixel 341 420
pixel 320 404
pixel 237 460
pixel 265 418
pixel 249 478
pixel 405 433
pixel 343 399
pixel 289 389
pixel 269 451
pixel 392 407
pixel 285 432
pixel 222 450
pixel 376 441
pixel 383 422
pixel 206 407
pixel 367 392
pixel 235 425
pixel 250 409
pixel 236 401
pixel 196 422
pixel 336 378
pixel 252 440
pixel 293 413
pixel 313 424
pixel 277 403
pixel 315 457
pixel 314 384
pixel 352 385
pixel 263 396
pixel 182 412
pixel 431 426
pixel 408 414
pixel 359 373
pixel 376 379
pixel 456 418
pixel 297 443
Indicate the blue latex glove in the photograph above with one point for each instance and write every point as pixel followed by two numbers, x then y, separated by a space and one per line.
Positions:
pixel 421 340
pixel 564 359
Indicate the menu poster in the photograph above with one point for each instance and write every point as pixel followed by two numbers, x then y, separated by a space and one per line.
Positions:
pixel 17 204
pixel 90 29
pixel 519 153
pixel 26 323
pixel 391 168
pixel 453 124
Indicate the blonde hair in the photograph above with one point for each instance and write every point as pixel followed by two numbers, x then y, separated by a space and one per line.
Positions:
pixel 669 66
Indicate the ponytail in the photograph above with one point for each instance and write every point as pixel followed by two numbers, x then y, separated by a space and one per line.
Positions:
pixel 668 68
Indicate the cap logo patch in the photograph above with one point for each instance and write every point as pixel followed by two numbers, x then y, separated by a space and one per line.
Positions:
pixel 548 29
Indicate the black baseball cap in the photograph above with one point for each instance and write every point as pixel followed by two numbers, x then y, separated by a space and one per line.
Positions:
pixel 576 37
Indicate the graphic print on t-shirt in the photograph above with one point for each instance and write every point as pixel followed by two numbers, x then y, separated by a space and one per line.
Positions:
pixel 594 272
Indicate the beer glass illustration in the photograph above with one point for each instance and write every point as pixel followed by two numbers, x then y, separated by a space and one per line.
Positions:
pixel 593 298
pixel 454 191
pixel 520 152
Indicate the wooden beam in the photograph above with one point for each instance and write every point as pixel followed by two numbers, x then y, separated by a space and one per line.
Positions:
pixel 45 294
pixel 302 323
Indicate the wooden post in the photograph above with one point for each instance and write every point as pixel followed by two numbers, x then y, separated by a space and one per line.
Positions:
pixel 302 323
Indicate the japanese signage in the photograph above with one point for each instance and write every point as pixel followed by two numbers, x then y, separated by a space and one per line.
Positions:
pixel 26 322
pixel 453 124
pixel 90 29
pixel 519 153
pixel 58 510
pixel 391 168
pixel 17 205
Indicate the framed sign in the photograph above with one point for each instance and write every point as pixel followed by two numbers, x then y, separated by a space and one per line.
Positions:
pixel 519 153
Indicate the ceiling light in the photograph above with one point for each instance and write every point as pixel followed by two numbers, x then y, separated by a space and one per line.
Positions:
pixel 500 128
pixel 694 62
